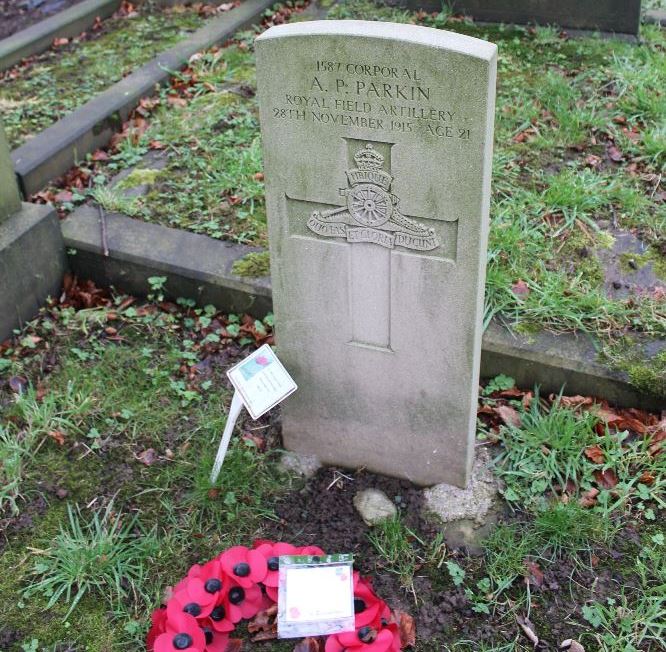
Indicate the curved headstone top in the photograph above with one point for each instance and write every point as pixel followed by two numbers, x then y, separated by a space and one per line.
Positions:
pixel 377 159
pixel 417 34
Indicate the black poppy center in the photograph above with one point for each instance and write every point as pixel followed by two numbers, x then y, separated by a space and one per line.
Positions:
pixel 242 569
pixel 359 605
pixel 192 608
pixel 367 634
pixel 212 585
pixel 182 641
pixel 208 633
pixel 274 563
pixel 218 614
pixel 236 595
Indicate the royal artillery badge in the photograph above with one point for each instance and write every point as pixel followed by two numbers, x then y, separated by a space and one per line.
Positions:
pixel 371 213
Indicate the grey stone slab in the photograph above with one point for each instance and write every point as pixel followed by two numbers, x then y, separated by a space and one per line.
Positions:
pixel 377 153
pixel 195 265
pixel 56 149
pixel 32 264
pixel 560 361
pixel 621 16
pixel 10 198
pixel 656 17
pixel 64 24
pixel 550 361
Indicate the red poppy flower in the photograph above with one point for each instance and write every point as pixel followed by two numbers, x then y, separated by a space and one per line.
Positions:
pixel 367 606
pixel 215 641
pixel 219 619
pixel 183 633
pixel 241 602
pixel 158 621
pixel 206 584
pixel 188 601
pixel 311 550
pixel 272 553
pixel 246 567
pixel 365 639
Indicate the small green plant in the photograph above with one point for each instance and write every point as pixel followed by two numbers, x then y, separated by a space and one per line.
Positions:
pixel 157 286
pixel 66 411
pixel 115 201
pixel 103 554
pixel 15 450
pixel 394 541
pixel 498 384
pixel 456 573
pixel 546 450
pixel 567 528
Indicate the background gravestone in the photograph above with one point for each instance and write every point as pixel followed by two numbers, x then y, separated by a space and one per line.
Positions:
pixel 377 153
pixel 621 16
pixel 32 253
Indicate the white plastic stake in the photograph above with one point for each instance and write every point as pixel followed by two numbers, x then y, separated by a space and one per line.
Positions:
pixel 232 417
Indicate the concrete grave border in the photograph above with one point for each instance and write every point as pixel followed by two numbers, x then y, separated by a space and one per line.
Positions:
pixel 56 149
pixel 199 267
pixel 64 24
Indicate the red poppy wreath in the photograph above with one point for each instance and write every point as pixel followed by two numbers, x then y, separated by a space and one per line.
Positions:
pixel 241 583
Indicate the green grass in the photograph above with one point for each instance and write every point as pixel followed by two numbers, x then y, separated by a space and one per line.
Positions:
pixel 545 452
pixel 101 555
pixel 60 81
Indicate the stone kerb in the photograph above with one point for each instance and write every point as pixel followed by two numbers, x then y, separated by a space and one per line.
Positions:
pixel 64 24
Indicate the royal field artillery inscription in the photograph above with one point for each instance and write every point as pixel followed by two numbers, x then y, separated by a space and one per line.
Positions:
pixel 377 150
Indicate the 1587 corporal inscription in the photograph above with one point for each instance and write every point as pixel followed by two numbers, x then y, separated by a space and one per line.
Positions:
pixel 373 96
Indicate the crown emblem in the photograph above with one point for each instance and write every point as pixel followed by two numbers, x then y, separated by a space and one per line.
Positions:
pixel 368 158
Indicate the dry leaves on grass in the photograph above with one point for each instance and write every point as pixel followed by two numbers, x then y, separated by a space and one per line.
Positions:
pixel 264 625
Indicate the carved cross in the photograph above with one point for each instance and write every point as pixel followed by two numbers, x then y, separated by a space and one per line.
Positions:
pixel 371 220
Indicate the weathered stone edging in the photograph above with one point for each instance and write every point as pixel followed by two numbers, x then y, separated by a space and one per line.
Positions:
pixel 38 37
pixel 56 149
pixel 199 267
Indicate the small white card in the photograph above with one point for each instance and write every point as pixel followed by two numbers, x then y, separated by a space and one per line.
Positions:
pixel 261 381
pixel 315 595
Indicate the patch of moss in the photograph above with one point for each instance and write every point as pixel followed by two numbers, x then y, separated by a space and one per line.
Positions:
pixel 139 177
pixel 629 262
pixel 253 265
pixel 646 372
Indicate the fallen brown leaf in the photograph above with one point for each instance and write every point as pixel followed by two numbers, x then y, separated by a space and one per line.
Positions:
pixel 148 457
pixel 589 498
pixel 264 625
pixel 509 415
pixel 407 628
pixel 18 384
pixel 571 645
pixel 234 645
pixel 607 479
pixel 310 644
pixel 534 573
pixel 520 288
pixel 528 629
pixel 57 436
pixel 595 454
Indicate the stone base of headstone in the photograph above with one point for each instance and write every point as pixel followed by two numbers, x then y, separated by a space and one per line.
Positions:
pixel 299 464
pixel 32 264
pixel 467 515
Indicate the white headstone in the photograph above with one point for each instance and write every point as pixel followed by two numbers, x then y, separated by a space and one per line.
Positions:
pixel 377 154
